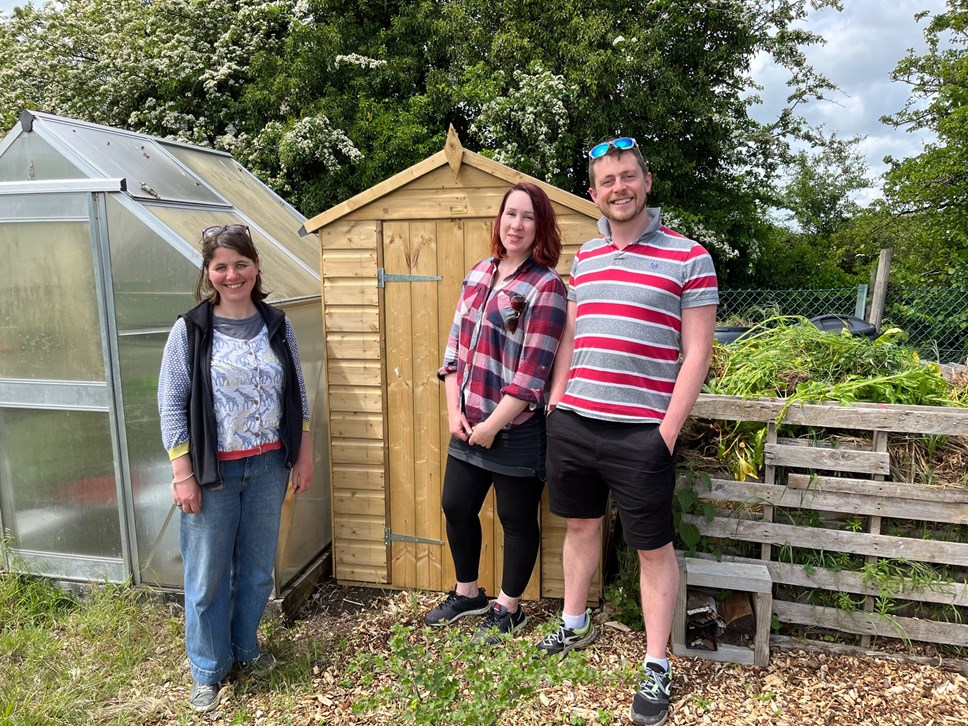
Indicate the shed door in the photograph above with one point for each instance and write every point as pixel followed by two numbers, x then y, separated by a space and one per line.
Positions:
pixel 418 312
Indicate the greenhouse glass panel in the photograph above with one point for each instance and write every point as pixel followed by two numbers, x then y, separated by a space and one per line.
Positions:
pixel 246 192
pixel 42 207
pixel 140 356
pixel 30 158
pixel 152 174
pixel 307 522
pixel 49 326
pixel 152 282
pixel 57 482
pixel 282 277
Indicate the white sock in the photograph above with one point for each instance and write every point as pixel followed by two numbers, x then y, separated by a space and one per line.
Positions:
pixel 663 663
pixel 574 622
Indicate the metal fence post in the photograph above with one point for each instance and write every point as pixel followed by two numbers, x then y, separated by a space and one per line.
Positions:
pixel 861 307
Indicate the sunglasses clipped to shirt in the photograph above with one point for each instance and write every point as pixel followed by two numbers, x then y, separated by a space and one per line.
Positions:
pixel 622 143
pixel 210 232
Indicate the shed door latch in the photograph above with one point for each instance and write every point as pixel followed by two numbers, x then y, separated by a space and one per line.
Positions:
pixel 382 278
pixel 389 537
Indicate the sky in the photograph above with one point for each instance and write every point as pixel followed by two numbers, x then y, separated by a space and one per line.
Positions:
pixel 864 43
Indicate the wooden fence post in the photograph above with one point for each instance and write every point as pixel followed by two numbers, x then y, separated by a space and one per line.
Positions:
pixel 880 289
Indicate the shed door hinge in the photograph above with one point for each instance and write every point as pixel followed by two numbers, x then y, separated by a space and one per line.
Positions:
pixel 389 536
pixel 382 278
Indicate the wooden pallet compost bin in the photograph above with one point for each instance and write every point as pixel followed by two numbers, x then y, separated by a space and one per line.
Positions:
pixel 852 540
pixel 393 259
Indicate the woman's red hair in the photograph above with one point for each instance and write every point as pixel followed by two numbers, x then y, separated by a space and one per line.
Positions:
pixel 547 236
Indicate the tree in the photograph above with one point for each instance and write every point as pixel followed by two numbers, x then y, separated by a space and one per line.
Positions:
pixel 932 187
pixel 818 195
pixel 324 98
pixel 535 84
pixel 180 69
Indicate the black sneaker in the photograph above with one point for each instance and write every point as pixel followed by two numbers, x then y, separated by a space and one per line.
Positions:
pixel 651 703
pixel 204 696
pixel 457 606
pixel 499 621
pixel 565 639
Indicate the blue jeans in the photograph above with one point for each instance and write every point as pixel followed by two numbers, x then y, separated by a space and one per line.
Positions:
pixel 229 551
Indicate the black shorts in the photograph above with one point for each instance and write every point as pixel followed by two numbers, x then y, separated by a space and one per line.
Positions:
pixel 588 458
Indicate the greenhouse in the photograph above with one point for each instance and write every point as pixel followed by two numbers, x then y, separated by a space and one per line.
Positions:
pixel 98 233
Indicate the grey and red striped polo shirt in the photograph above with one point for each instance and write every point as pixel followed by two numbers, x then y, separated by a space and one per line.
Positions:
pixel 629 320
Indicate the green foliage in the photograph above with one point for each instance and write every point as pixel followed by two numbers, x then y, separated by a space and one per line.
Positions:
pixel 325 98
pixel 624 593
pixel 687 502
pixel 434 676
pixel 932 187
pixel 788 260
pixel 790 358
pixel 818 195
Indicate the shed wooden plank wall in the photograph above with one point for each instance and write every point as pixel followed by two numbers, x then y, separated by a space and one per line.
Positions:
pixel 388 410
pixel 356 400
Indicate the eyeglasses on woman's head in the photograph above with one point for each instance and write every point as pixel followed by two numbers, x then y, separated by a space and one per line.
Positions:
pixel 213 232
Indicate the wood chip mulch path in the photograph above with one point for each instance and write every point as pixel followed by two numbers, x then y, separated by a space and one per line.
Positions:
pixel 799 688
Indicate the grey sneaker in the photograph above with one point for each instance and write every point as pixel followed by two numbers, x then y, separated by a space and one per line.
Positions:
pixel 455 606
pixel 204 696
pixel 499 621
pixel 651 703
pixel 564 640
pixel 260 665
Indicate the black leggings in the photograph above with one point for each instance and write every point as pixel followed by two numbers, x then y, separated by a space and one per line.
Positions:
pixel 518 498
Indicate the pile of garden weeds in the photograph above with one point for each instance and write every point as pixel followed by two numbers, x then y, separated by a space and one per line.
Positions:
pixel 789 358
pixel 363 656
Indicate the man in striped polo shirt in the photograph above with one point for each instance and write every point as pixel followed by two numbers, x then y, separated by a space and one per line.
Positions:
pixel 633 358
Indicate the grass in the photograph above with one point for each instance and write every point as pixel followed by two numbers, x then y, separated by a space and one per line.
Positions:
pixel 115 655
pixel 64 658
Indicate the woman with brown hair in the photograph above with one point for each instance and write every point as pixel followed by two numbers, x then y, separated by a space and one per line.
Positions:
pixel 235 422
pixel 506 329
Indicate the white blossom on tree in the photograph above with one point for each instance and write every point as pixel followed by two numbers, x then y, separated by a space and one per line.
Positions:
pixel 523 127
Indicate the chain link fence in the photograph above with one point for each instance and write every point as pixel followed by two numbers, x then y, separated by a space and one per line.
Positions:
pixel 934 319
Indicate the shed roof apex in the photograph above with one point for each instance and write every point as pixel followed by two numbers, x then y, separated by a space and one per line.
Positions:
pixel 454 155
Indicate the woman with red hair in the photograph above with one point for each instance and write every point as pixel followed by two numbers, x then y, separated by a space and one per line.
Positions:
pixel 506 329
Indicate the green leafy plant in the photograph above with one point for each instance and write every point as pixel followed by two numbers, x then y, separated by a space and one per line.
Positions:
pixel 687 501
pixel 623 593
pixel 433 677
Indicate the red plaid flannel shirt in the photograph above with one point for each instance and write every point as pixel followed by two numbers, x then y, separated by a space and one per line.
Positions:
pixel 503 343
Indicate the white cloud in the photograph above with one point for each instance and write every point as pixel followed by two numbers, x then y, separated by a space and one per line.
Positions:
pixel 863 45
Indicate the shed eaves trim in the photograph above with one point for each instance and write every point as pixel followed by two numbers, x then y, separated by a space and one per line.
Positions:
pixel 431 163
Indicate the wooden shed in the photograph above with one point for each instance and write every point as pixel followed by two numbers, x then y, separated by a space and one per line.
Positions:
pixel 393 259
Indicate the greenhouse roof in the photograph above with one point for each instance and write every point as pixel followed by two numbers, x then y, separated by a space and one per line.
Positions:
pixel 175 188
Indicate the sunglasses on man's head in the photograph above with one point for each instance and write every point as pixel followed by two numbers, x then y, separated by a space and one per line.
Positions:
pixel 622 143
pixel 212 232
